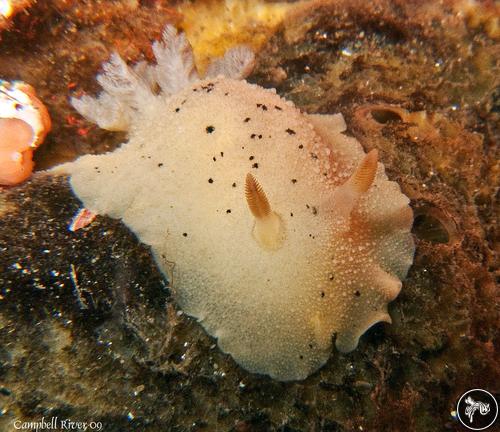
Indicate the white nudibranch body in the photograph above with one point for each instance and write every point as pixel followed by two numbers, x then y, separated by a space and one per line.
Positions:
pixel 281 230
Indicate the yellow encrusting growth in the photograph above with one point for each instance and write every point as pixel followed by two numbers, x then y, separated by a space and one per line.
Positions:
pixel 215 26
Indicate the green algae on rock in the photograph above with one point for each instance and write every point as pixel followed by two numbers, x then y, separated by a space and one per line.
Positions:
pixel 271 286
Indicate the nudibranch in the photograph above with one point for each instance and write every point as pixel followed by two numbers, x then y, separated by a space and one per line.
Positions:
pixel 278 232
pixel 24 123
